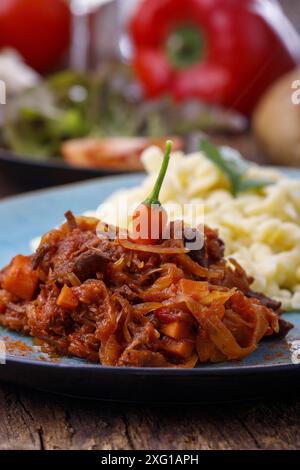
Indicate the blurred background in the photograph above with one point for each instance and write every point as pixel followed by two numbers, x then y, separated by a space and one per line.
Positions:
pixel 87 85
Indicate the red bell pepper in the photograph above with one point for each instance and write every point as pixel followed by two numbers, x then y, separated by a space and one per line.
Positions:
pixel 223 52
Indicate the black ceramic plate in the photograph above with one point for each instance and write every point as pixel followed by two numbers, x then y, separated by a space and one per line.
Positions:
pixel 272 368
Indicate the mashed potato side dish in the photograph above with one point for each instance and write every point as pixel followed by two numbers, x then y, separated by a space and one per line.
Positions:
pixel 261 229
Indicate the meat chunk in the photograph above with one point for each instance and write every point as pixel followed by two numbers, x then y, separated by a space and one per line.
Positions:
pixel 87 264
pixel 284 325
pixel 212 251
pixel 270 303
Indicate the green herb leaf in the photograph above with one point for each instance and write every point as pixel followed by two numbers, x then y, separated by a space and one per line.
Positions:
pixel 253 184
pixel 234 168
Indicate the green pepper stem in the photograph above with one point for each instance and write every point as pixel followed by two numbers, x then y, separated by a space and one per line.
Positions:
pixel 154 196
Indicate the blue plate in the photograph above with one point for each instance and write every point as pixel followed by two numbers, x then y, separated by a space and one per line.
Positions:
pixel 266 371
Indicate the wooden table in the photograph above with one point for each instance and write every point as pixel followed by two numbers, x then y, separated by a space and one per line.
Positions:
pixel 35 420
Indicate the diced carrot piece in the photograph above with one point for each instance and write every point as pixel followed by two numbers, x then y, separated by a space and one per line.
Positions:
pixel 67 299
pixel 20 279
pixel 176 329
pixel 193 288
pixel 181 348
pixel 200 292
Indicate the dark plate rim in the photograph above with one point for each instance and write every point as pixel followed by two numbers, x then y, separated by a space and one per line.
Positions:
pixel 8 156
pixel 204 370
pixel 62 187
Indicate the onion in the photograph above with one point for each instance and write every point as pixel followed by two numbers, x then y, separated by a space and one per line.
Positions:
pixel 190 363
pixel 74 280
pixel 223 338
pixel 157 249
pixel 188 264
pixel 147 307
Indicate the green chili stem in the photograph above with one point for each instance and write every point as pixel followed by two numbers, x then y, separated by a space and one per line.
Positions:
pixel 154 196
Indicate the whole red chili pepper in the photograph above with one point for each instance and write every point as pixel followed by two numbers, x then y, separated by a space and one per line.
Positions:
pixel 220 51
pixel 150 218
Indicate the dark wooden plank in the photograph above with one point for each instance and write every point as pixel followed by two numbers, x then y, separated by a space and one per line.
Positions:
pixel 34 420
pixel 274 424
pixel 30 419
pixel 17 426
pixel 187 428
